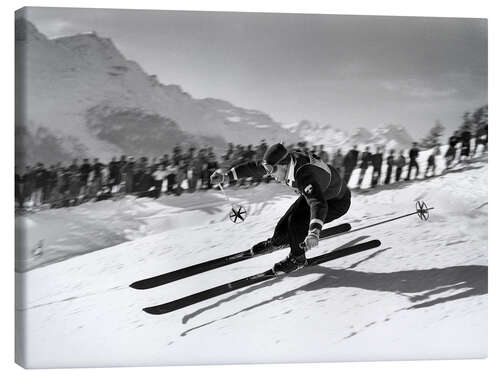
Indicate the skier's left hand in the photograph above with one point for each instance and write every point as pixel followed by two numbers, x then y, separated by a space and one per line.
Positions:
pixel 312 239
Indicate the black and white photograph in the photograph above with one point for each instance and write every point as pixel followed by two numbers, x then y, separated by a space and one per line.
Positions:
pixel 210 188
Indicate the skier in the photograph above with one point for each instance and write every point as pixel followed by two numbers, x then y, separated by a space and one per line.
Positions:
pixel 324 196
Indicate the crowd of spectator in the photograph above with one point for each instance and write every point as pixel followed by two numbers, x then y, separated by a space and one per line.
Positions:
pixel 189 170
pixel 458 149
pixel 186 170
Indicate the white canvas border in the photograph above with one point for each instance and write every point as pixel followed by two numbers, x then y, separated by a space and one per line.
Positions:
pixel 480 9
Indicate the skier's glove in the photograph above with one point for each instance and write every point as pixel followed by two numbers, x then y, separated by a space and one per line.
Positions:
pixel 217 177
pixel 312 239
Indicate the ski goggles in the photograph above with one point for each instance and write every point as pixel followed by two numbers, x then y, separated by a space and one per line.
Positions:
pixel 270 169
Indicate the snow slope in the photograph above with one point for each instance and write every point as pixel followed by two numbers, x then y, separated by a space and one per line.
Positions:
pixel 422 294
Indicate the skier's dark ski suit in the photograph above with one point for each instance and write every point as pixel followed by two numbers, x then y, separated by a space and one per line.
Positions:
pixel 324 196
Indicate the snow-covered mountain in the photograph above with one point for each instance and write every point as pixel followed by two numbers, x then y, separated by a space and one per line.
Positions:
pixel 317 134
pixel 89 97
pixel 89 100
pixel 390 136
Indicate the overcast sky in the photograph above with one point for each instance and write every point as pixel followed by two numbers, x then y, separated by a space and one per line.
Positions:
pixel 348 71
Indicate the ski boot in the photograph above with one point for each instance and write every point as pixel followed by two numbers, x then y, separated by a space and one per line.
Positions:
pixel 265 247
pixel 290 263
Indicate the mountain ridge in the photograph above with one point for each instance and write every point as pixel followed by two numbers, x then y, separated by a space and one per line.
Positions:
pixel 75 86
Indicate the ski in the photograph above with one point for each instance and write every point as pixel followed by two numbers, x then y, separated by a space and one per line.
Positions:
pixel 255 279
pixel 195 269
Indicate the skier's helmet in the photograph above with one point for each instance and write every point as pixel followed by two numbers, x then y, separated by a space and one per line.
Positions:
pixel 274 155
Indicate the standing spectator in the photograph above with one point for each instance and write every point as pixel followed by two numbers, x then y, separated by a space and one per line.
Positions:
pixel 338 161
pixel 192 176
pixel 350 162
pixel 121 166
pixel 74 166
pixel 377 166
pixel 114 173
pixel 74 186
pixel 481 138
pixel 28 183
pixel 85 170
pixel 465 139
pixel 57 195
pixel 146 186
pixel 390 163
pixel 66 176
pixel 323 155
pixel 191 153
pixel 40 181
pixel 451 151
pixel 159 175
pixel 97 175
pixel 366 158
pixel 414 151
pixel 239 155
pixel 139 171
pixel 62 186
pixel 19 189
pixel 181 177
pixel 171 177
pixel 177 154
pixel 431 160
pixel 46 185
pixel 52 183
pixel 400 164
pixel 227 156
pixel 129 172
pixel 212 166
pixel 142 165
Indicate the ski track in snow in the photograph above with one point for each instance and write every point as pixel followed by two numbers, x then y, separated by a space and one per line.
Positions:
pixel 421 295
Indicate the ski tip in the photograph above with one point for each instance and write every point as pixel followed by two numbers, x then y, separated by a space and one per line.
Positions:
pixel 137 285
pixel 152 311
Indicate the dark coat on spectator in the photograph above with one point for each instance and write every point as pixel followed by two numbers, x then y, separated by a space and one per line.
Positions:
pixel 351 159
pixel 366 158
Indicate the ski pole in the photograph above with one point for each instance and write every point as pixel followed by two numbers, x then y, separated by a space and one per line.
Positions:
pixel 421 210
pixel 223 192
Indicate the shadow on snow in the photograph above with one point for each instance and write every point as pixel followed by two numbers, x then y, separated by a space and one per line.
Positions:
pixel 422 285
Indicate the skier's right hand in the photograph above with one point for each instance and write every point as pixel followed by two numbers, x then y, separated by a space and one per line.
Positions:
pixel 217 177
